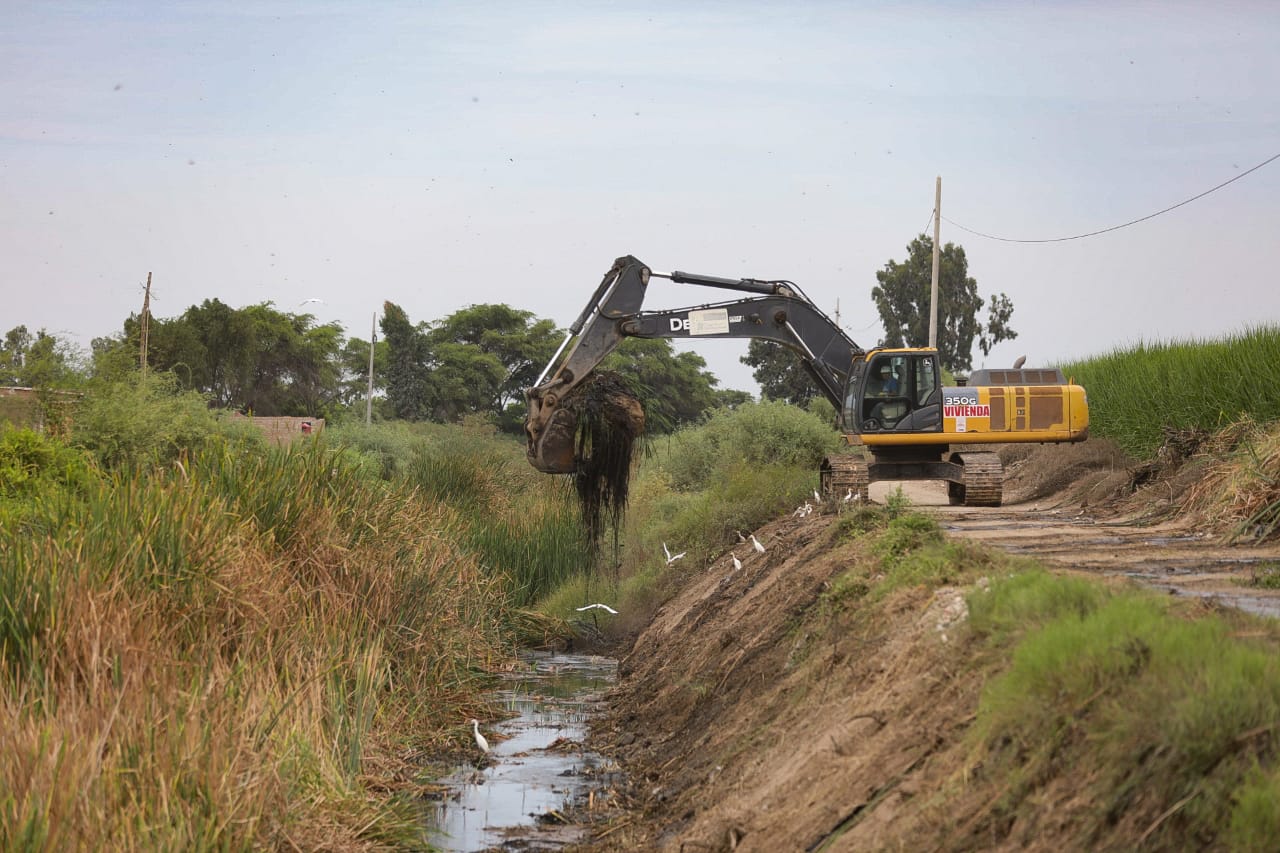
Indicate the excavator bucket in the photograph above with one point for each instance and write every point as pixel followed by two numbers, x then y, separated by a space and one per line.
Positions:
pixel 564 435
pixel 551 449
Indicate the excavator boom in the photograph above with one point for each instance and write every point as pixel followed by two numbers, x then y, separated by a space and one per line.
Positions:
pixel 891 400
pixel 778 312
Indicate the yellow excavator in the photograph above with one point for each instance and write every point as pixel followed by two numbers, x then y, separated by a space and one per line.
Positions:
pixel 899 421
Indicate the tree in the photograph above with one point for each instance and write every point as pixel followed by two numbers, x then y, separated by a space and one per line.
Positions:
pixel 522 343
pixel 516 340
pixel 780 372
pixel 254 359
pixel 408 374
pixel 732 398
pixel 902 298
pixel 41 360
pixel 476 360
pixel 675 388
pixel 354 360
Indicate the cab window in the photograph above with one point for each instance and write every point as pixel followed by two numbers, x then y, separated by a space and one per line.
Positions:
pixel 926 380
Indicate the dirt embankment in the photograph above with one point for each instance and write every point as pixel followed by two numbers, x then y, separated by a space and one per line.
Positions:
pixel 753 714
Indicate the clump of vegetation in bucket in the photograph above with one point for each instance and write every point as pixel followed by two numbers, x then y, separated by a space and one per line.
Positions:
pixel 609 419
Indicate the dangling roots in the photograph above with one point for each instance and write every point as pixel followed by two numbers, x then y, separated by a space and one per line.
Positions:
pixel 610 420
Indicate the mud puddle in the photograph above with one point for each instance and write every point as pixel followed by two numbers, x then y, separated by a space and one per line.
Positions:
pixel 537 770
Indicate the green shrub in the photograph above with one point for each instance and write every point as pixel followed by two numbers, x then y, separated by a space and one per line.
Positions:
pixel 741 497
pixel 147 420
pixel 1255 820
pixel 38 471
pixel 768 433
pixel 30 463
pixel 388 446
pixel 906 533
pixel 863 519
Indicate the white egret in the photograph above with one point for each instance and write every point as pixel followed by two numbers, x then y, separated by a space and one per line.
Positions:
pixel 755 543
pixel 817 497
pixel 741 538
pixel 480 741
pixel 671 558
pixel 737 564
pixel 309 301
pixel 600 606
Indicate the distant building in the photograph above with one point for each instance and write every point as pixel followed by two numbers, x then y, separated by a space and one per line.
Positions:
pixel 284 431
pixel 41 409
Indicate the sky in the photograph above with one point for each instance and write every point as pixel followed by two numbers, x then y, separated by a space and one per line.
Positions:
pixel 440 155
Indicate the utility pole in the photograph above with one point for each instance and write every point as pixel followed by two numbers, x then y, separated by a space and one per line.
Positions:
pixel 368 400
pixel 933 290
pixel 146 323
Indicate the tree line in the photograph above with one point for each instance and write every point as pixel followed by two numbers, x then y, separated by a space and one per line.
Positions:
pixel 475 361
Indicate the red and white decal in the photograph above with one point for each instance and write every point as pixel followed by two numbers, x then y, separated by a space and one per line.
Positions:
pixel 966 410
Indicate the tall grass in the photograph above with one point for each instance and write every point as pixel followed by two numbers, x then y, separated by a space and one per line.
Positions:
pixel 220 655
pixel 695 491
pixel 523 527
pixel 1135 392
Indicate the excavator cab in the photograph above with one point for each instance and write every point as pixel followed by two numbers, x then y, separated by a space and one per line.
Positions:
pixel 895 391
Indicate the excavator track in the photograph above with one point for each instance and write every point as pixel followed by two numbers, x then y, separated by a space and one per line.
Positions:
pixel 983 480
pixel 842 474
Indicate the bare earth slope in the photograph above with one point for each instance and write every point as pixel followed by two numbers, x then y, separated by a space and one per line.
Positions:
pixel 753 715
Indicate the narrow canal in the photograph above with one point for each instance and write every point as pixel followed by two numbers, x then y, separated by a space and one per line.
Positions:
pixel 537 769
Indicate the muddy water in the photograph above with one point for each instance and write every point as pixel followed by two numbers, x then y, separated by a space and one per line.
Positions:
pixel 537 767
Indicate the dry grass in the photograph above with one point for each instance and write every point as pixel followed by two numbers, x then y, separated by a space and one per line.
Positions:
pixel 1239 493
pixel 228 657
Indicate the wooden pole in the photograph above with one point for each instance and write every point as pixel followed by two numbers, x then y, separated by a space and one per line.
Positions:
pixel 933 290
pixel 146 322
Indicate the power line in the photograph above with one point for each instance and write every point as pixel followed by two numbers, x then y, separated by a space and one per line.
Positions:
pixel 1122 225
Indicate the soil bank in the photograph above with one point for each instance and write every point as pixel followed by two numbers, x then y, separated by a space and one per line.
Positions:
pixel 752 716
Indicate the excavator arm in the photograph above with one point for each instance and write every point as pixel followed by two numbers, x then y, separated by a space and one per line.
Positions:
pixel 778 312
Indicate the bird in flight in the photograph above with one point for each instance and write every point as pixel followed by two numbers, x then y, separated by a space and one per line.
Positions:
pixel 671 558
pixel 755 543
pixel 309 301
pixel 600 606
pixel 480 741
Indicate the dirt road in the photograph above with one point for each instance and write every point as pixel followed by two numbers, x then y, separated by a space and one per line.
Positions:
pixel 1170 555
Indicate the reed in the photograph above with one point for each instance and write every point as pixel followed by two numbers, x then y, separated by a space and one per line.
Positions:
pixel 227 653
pixel 523 527
pixel 1138 392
